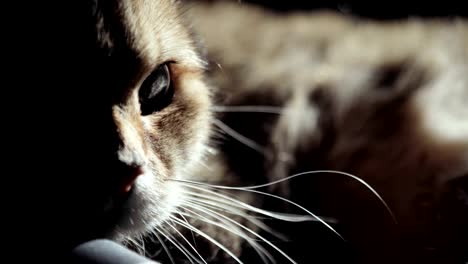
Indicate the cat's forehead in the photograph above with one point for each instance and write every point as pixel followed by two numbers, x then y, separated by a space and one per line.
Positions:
pixel 154 31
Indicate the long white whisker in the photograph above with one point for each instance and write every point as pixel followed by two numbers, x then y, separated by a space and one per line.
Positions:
pixel 203 234
pixel 223 225
pixel 158 251
pixel 262 252
pixel 248 109
pixel 231 201
pixel 137 246
pixel 143 244
pixel 164 247
pixel 188 243
pixel 180 247
pixel 232 210
pixel 297 175
pixel 300 207
pixel 241 138
pixel 211 212
pixel 191 232
pixel 276 215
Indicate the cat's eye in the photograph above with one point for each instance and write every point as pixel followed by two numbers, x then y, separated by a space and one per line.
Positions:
pixel 157 90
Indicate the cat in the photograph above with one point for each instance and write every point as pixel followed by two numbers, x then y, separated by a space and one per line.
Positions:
pixel 384 101
pixel 139 112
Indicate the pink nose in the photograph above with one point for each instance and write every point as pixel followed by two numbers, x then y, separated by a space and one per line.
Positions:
pixel 129 178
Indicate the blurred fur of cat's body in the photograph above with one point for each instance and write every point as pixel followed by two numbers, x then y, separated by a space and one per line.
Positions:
pixel 385 101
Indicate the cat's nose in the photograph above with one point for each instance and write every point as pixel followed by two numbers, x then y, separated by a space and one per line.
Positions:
pixel 125 175
pixel 129 178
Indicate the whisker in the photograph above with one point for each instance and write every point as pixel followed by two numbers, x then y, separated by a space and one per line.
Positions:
pixel 211 212
pixel 136 245
pixel 248 109
pixel 191 232
pixel 275 215
pixel 169 255
pixel 142 241
pixel 297 175
pixel 261 251
pixel 203 234
pixel 231 201
pixel 158 250
pixel 188 243
pixel 241 138
pixel 180 247
pixel 234 211
pixel 223 225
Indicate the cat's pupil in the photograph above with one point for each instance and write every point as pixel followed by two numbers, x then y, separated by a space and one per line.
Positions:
pixel 156 91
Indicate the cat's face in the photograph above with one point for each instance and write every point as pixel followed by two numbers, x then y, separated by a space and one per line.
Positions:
pixel 147 116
